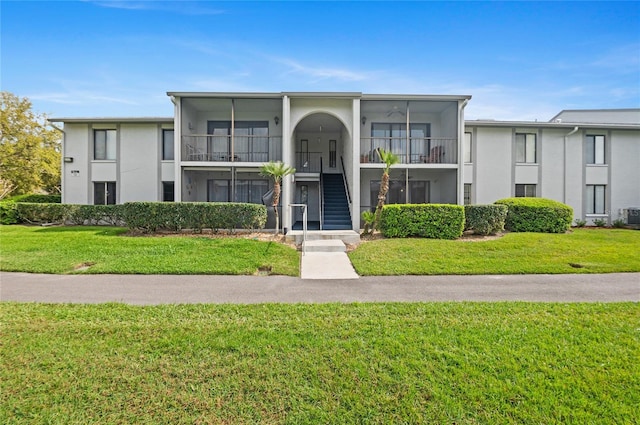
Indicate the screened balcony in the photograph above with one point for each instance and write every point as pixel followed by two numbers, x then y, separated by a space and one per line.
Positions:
pixel 418 150
pixel 224 148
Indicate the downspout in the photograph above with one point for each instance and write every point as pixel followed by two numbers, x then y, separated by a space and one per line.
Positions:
pixel 564 164
pixel 460 194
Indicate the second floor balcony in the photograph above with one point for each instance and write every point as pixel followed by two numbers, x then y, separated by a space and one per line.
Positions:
pixel 214 148
pixel 416 150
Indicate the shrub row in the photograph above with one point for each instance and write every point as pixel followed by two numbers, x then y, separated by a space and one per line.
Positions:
pixel 26 212
pixel 536 215
pixel 448 221
pixel 485 219
pixel 152 216
pixel 8 212
pixel 142 216
pixel 437 221
pixel 37 198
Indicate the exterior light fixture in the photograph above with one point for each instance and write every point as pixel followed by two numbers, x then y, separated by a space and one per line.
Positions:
pixel 364 120
pixel 68 159
pixel 276 119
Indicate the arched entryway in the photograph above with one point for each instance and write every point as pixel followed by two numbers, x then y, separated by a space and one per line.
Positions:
pixel 320 142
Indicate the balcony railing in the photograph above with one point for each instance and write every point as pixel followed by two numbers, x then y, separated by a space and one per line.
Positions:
pixel 210 148
pixel 308 162
pixel 423 150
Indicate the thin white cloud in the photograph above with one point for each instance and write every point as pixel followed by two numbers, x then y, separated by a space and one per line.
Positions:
pixel 182 7
pixel 621 59
pixel 80 97
pixel 318 73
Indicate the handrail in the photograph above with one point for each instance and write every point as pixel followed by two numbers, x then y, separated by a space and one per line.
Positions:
pixel 344 180
pixel 320 197
pixel 304 224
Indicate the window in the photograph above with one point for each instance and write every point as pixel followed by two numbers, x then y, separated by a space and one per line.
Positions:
pixel 168 191
pixel 526 190
pixel 418 192
pixel 596 199
pixel 393 137
pixel 332 154
pixel 467 148
pixel 104 193
pixel 167 145
pixel 251 141
pixel 595 150
pixel 249 191
pixel 526 148
pixel 104 144
pixel 467 193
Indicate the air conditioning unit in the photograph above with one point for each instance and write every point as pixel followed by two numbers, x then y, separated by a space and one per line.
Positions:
pixel 633 215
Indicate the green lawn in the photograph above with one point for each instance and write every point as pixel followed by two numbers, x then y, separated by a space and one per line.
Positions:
pixel 63 249
pixel 109 250
pixel 579 251
pixel 435 363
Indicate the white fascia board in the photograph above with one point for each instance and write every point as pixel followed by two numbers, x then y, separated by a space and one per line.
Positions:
pixel 331 95
pixel 114 120
pixel 435 97
pixel 226 95
pixel 543 124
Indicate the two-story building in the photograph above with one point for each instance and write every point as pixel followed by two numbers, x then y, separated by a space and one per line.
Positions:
pixel 212 149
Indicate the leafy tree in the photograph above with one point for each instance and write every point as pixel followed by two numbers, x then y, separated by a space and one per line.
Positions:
pixel 29 148
pixel 276 171
pixel 388 159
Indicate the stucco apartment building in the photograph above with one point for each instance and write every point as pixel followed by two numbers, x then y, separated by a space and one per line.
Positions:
pixel 212 148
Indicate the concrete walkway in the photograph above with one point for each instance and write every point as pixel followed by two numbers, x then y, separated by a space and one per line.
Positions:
pixel 326 259
pixel 163 289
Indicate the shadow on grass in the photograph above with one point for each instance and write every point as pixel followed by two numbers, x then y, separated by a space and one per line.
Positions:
pixel 95 230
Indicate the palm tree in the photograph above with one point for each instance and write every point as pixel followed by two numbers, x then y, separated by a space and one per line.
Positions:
pixel 276 171
pixel 389 159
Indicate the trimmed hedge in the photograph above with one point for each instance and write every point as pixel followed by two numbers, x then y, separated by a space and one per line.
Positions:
pixel 485 219
pixel 38 198
pixel 436 221
pixel 43 213
pixel 153 216
pixel 536 215
pixel 94 215
pixel 8 212
pixel 142 216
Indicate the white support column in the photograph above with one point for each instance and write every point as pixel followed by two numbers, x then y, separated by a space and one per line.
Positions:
pixel 287 182
pixel 355 192
pixel 460 170
pixel 177 149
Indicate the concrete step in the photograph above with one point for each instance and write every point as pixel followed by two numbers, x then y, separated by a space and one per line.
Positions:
pixel 325 245
pixel 345 235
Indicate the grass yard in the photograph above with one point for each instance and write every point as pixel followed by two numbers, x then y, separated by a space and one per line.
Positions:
pixel 108 250
pixel 580 251
pixel 435 363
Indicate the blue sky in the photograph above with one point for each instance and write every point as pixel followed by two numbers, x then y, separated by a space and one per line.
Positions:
pixel 519 60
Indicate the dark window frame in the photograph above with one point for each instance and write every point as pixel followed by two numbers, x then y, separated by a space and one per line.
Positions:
pixel 168 150
pixel 105 140
pixel 523 190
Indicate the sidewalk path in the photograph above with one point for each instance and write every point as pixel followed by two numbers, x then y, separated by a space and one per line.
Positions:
pixel 161 289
